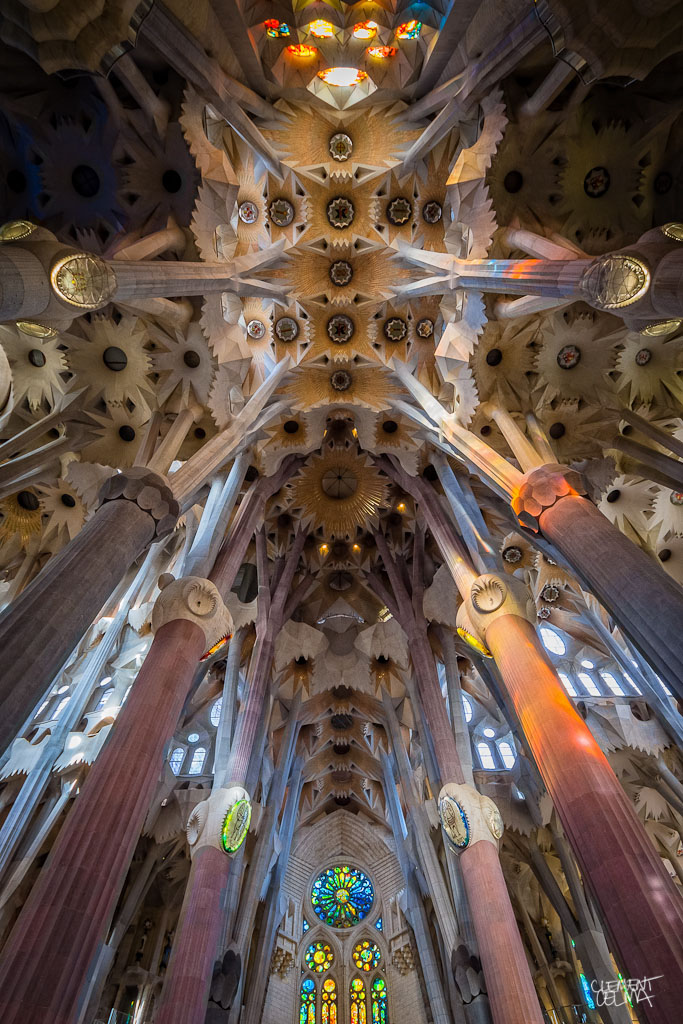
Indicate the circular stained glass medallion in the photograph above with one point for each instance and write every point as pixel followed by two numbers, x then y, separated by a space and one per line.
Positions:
pixel 596 182
pixel 341 273
pixel 340 328
pixel 340 212
pixel 256 329
pixel 341 146
pixel 286 328
pixel 248 212
pixel 319 957
pixel 281 212
pixel 568 357
pixel 342 896
pixel 395 329
pixel 432 211
pixel 366 955
pixel 399 211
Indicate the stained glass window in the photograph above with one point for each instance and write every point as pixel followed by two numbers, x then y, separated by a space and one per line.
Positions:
pixel 379 1001
pixel 342 896
pixel 366 955
pixel 378 924
pixel 176 759
pixel 307 1004
pixel 329 1000
pixel 357 995
pixel 319 957
pixel 306 926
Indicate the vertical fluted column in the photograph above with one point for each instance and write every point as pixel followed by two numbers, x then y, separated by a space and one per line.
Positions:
pixel 639 902
pixel 45 963
pixel 39 630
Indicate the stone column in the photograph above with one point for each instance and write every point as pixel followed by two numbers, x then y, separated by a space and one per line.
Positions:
pixel 646 603
pixel 186 988
pixel 47 959
pixel 639 902
pixel 42 627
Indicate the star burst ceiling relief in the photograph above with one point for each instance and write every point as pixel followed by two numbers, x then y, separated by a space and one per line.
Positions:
pixel 339 491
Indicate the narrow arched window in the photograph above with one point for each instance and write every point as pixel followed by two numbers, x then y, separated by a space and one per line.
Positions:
pixel 197 762
pixel 507 753
pixel 379 1001
pixel 176 759
pixel 215 715
pixel 589 683
pixel 60 707
pixel 485 756
pixel 613 683
pixel 568 684
pixel 467 708
pixel 357 997
pixel 307 1002
pixel 328 1013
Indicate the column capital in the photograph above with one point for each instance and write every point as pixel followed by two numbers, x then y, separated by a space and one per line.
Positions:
pixel 221 822
pixel 197 600
pixel 149 491
pixel 540 489
pixel 491 596
pixel 468 817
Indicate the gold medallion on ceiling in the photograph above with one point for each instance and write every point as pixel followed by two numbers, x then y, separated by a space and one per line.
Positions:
pixel 340 490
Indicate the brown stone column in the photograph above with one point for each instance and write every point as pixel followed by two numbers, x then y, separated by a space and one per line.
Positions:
pixel 40 629
pixel 198 933
pixel 44 964
pixel 645 602
pixel 512 995
pixel 639 902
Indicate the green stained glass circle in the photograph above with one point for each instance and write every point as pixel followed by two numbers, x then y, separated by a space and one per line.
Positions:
pixel 319 957
pixel 342 896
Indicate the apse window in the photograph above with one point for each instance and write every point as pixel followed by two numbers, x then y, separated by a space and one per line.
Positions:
pixel 568 684
pixel 552 641
pixel 197 762
pixel 613 684
pixel 175 761
pixel 589 683
pixel 507 754
pixel 486 757
pixel 215 715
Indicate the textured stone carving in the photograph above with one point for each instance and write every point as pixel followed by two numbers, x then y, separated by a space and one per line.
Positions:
pixel 196 599
pixel 205 824
pixel 468 817
pixel 149 491
pixel 540 489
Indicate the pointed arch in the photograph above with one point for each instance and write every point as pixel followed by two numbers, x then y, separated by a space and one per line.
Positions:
pixel 357 1002
pixel 307 1001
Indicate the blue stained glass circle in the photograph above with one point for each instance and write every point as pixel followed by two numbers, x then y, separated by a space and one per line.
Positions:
pixel 342 896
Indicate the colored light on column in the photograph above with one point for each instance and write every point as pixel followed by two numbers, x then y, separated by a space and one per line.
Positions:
pixel 587 992
pixel 342 76
pixel 321 29
pixel 302 50
pixel 276 29
pixel 365 30
pixel 382 52
pixel 409 29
